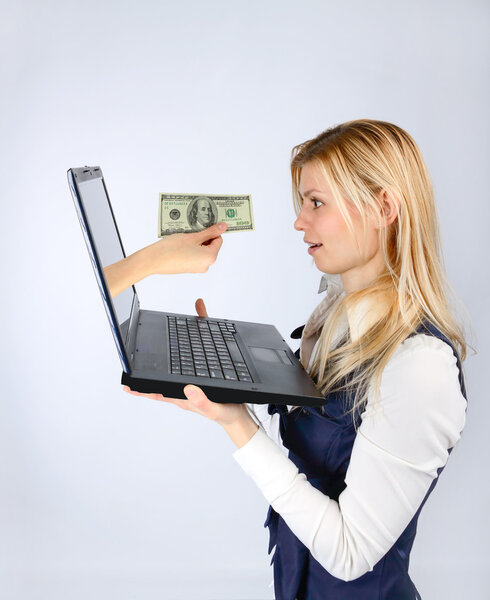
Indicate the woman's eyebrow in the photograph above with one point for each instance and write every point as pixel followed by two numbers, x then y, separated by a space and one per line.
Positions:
pixel 309 192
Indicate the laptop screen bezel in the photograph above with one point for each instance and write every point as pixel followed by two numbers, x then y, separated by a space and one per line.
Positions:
pixel 80 175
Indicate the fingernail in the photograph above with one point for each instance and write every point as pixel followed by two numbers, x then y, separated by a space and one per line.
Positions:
pixel 222 226
pixel 190 391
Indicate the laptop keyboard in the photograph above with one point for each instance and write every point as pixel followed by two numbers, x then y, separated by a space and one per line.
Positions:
pixel 205 349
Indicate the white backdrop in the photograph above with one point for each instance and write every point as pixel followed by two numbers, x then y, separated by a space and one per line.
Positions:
pixel 105 495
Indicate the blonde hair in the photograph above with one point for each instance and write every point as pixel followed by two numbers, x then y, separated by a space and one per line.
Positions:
pixel 359 160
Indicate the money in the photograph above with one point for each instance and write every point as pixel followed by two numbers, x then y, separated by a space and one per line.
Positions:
pixel 185 213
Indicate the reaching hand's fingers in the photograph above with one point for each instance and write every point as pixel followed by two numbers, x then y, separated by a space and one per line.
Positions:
pixel 215 244
pixel 201 308
pixel 212 232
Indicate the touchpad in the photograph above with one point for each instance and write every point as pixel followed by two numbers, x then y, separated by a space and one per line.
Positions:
pixel 270 355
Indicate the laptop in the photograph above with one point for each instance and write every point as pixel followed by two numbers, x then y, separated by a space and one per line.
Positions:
pixel 162 352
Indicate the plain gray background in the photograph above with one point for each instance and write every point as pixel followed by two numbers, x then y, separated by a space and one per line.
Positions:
pixel 105 495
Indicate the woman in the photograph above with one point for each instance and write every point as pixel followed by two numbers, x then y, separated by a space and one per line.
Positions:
pixel 385 350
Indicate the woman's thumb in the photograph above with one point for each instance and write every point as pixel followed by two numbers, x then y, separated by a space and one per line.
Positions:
pixel 201 308
pixel 193 393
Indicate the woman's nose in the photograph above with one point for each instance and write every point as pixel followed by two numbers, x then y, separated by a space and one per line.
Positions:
pixel 299 224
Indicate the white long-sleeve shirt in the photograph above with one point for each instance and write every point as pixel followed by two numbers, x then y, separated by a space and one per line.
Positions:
pixel 398 448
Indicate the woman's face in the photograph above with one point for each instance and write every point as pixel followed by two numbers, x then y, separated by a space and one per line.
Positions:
pixel 323 224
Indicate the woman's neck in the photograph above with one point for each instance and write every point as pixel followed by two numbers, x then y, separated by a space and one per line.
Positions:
pixel 362 276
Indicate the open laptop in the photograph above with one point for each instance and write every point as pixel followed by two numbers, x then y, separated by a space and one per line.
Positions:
pixel 160 352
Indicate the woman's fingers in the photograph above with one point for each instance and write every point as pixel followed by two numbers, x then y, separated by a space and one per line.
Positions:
pixel 197 401
pixel 201 308
pixel 177 401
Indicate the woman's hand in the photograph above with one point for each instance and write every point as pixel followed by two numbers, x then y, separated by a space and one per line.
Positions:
pixel 197 401
pixel 185 252
pixel 234 418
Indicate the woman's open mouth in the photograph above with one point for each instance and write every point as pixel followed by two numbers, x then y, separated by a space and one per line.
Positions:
pixel 313 248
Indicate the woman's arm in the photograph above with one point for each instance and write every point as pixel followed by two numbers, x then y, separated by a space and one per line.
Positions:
pixel 269 423
pixel 177 253
pixel 394 460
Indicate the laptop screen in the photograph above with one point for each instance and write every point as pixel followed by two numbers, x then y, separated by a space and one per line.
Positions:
pixel 103 244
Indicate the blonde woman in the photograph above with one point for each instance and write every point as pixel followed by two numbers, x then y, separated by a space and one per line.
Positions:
pixel 346 481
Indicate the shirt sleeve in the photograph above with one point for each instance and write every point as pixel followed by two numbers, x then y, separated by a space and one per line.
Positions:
pixel 400 445
pixel 268 423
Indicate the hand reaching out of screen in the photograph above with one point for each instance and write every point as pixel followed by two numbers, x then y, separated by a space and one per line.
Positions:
pixel 176 253
pixel 186 252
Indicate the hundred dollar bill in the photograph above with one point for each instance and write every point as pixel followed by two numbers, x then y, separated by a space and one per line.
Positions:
pixel 185 213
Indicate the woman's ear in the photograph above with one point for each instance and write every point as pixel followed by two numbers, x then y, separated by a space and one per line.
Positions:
pixel 389 208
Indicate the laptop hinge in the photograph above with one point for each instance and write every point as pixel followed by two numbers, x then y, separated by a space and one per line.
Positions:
pixel 133 328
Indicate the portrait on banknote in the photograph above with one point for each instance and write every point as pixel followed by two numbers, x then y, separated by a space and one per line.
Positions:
pixel 202 213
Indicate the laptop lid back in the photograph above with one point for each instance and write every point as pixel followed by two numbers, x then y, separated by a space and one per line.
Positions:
pixel 105 248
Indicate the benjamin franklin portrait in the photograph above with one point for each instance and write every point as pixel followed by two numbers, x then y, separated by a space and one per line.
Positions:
pixel 202 213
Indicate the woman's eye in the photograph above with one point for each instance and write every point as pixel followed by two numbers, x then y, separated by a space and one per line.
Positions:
pixel 316 202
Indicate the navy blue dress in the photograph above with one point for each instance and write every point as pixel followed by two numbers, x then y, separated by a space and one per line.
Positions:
pixel 320 441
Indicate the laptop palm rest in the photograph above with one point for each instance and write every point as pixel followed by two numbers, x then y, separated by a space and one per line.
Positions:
pixel 270 355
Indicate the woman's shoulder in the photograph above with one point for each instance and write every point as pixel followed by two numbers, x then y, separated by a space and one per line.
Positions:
pixel 420 399
pixel 423 372
pixel 426 351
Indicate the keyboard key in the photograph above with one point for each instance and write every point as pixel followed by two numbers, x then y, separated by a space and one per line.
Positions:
pixel 216 373
pixel 244 378
pixel 245 373
pixel 229 374
pixel 234 351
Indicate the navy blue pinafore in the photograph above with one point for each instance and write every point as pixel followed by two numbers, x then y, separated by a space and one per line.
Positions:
pixel 320 441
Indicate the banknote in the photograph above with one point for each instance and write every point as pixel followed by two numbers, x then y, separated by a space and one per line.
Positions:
pixel 185 213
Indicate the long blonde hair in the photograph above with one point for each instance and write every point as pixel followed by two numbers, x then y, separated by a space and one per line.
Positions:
pixel 359 160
